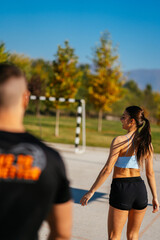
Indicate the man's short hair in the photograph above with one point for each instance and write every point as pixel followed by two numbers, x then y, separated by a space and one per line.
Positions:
pixel 9 92
pixel 7 71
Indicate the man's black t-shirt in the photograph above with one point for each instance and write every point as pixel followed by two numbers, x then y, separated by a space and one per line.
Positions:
pixel 32 178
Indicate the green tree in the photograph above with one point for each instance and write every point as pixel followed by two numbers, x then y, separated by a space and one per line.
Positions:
pixel 83 89
pixel 132 96
pixel 3 53
pixel 133 87
pixel 105 84
pixel 23 62
pixel 149 102
pixel 157 102
pixel 40 77
pixel 66 77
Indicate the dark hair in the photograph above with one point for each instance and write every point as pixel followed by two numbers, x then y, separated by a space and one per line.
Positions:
pixel 8 70
pixel 142 137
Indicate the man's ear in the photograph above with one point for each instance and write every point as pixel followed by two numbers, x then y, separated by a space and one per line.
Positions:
pixel 26 97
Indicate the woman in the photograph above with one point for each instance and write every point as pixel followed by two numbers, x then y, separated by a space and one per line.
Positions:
pixel 128 196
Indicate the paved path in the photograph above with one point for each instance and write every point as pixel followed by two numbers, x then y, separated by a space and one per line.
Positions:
pixel 90 222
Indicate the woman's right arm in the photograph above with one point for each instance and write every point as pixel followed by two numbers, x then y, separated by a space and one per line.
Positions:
pixel 152 182
pixel 115 148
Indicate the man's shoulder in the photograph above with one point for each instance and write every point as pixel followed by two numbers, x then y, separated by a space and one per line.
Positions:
pixel 53 153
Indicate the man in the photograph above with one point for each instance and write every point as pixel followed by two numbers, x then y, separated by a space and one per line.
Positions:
pixel 33 183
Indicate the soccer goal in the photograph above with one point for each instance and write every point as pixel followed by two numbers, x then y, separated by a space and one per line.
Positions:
pixel 80 120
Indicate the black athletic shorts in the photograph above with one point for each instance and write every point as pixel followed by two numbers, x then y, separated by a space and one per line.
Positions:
pixel 128 193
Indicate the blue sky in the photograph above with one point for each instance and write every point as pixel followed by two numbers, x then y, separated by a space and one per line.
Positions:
pixel 36 28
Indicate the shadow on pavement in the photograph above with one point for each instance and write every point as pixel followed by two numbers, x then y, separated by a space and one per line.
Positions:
pixel 77 194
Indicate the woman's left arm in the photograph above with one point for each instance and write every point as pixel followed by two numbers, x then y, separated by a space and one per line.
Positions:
pixel 106 170
pixel 152 182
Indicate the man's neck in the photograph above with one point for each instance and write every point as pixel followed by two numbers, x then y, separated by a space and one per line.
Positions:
pixel 11 121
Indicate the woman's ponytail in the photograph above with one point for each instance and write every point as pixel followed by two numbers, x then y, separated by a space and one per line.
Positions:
pixel 143 135
pixel 143 141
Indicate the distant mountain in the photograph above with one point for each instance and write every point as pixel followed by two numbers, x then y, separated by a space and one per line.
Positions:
pixel 145 76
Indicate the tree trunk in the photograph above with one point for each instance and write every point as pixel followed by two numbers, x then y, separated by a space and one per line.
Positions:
pixel 57 123
pixel 100 114
pixel 37 108
pixel 38 116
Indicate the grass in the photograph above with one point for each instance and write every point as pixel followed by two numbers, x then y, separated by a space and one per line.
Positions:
pixel 43 127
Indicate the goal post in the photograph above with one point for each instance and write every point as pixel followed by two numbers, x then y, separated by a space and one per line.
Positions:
pixel 81 118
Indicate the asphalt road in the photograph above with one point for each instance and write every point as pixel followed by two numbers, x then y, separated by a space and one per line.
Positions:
pixel 90 222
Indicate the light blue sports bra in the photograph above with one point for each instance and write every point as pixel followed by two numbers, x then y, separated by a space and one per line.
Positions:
pixel 127 161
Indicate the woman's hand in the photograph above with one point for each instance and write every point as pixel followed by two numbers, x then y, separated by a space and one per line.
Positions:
pixel 155 205
pixel 84 200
